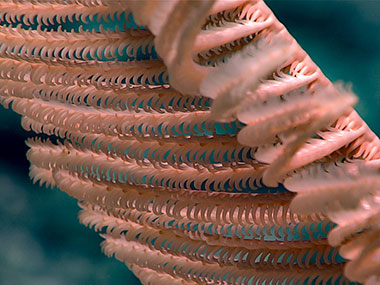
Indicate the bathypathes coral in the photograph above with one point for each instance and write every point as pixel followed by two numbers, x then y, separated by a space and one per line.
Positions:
pixel 182 175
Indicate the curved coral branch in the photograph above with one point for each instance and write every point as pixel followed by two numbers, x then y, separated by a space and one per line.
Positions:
pixel 180 160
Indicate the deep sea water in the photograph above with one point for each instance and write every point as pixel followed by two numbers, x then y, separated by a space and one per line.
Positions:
pixel 41 241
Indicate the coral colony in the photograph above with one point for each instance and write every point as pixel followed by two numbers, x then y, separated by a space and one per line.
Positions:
pixel 202 142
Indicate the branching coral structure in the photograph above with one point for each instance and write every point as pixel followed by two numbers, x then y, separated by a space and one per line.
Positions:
pixel 202 142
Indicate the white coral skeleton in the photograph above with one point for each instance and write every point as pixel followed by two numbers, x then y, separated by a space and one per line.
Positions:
pixel 179 160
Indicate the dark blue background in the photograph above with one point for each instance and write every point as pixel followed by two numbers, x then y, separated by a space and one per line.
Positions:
pixel 41 241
